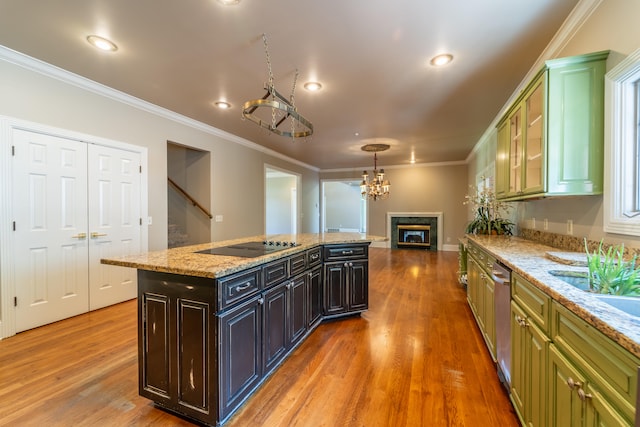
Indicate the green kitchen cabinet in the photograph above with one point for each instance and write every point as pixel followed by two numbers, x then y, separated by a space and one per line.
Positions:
pixel 593 381
pixel 480 294
pixel 489 313
pixel 575 401
pixel 528 368
pixel 502 160
pixel 565 407
pixel 473 283
pixel 530 314
pixel 550 141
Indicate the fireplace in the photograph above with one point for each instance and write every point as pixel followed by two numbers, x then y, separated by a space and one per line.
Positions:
pixel 414 235
pixel 420 230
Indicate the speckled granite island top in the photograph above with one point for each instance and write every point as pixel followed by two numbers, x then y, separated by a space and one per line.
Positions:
pixel 530 260
pixel 187 262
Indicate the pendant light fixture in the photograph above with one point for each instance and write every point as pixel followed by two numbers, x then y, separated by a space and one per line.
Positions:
pixel 378 188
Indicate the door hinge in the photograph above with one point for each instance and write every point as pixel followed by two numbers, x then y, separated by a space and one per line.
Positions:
pixel 140 168
pixel 15 301
pixel 14 226
pixel 13 150
pixel 141 221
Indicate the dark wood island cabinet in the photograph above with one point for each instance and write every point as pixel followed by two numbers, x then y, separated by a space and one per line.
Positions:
pixel 206 343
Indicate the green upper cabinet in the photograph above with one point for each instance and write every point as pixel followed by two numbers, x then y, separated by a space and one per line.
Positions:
pixel 550 142
pixel 502 160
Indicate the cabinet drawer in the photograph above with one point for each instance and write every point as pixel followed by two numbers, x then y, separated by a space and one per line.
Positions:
pixel 235 287
pixel 297 263
pixel 483 259
pixel 533 301
pixel 343 252
pixel 275 272
pixel 604 361
pixel 314 256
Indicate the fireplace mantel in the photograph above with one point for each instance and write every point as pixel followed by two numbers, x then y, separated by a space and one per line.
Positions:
pixel 437 215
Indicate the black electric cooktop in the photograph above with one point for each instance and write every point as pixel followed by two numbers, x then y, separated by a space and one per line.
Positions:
pixel 250 249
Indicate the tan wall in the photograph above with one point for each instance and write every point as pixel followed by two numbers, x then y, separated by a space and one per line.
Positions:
pixel 419 188
pixel 612 26
pixel 237 190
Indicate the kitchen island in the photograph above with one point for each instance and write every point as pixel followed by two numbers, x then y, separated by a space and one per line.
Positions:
pixel 212 327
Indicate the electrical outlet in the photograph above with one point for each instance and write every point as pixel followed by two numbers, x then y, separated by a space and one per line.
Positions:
pixel 570 227
pixel 219 218
pixel 545 224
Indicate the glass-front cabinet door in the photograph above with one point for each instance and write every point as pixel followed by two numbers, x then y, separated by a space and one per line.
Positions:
pixel 534 145
pixel 502 160
pixel 515 152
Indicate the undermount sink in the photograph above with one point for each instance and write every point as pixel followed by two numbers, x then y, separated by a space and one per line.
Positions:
pixel 580 280
pixel 630 305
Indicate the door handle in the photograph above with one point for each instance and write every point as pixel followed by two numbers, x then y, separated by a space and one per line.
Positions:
pixel 80 236
pixel 95 235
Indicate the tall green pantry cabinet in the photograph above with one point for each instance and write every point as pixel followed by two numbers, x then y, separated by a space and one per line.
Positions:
pixel 550 141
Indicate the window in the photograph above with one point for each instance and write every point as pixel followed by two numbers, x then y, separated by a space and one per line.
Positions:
pixel 622 148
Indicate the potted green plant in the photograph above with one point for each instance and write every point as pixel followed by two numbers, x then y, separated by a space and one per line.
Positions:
pixel 487 210
pixel 610 273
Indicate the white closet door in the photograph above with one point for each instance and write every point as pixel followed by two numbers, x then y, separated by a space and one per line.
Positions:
pixel 50 211
pixel 114 223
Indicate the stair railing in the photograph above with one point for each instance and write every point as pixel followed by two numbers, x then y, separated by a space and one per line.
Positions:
pixel 187 196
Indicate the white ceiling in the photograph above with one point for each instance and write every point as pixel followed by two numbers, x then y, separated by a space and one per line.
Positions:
pixel 372 57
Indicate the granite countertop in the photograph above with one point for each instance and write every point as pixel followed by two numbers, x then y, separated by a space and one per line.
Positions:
pixel 534 260
pixel 185 261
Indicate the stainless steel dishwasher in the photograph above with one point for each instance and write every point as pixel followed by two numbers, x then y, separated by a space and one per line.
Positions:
pixel 501 276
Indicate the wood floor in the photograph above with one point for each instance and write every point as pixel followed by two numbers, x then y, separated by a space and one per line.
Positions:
pixel 415 358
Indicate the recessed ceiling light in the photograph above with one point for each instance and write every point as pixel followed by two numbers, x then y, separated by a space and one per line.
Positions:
pixel 440 60
pixel 228 2
pixel 223 105
pixel 102 43
pixel 312 86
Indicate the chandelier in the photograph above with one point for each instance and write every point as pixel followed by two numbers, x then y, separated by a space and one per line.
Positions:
pixel 378 188
pixel 275 109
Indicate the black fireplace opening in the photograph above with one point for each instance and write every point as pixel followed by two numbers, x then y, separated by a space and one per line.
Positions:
pixel 414 235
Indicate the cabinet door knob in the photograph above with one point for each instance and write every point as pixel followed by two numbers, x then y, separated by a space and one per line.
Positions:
pixel 95 235
pixel 522 321
pixel 573 384
pixel 260 301
pixel 584 396
pixel 80 236
pixel 350 264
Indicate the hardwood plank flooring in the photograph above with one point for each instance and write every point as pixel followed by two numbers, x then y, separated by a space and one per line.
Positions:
pixel 415 358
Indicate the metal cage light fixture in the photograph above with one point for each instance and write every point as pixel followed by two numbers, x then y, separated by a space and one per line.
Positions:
pixel 378 188
pixel 280 108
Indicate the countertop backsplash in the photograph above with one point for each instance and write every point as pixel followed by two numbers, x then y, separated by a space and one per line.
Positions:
pixel 569 243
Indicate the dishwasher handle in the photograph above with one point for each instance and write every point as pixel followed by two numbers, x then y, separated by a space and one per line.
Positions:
pixel 500 276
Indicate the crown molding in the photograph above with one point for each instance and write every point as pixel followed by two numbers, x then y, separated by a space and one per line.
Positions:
pixel 57 73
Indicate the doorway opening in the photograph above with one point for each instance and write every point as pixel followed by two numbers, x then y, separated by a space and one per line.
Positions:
pixel 343 208
pixel 188 195
pixel 281 201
